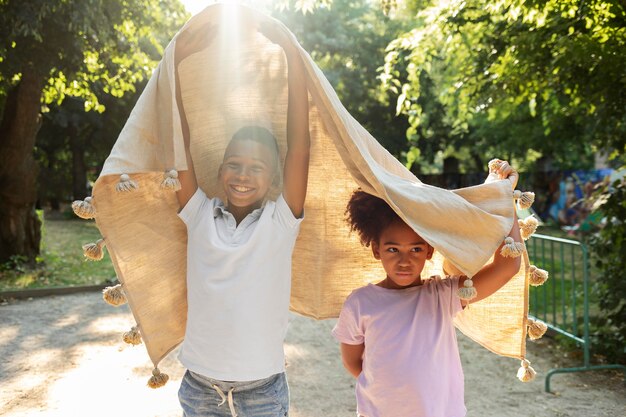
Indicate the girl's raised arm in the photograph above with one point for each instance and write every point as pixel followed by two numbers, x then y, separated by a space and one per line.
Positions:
pixel 495 275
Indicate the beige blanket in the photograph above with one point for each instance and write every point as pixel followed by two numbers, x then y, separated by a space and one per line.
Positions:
pixel 241 79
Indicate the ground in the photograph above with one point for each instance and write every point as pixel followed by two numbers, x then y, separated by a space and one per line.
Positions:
pixel 63 356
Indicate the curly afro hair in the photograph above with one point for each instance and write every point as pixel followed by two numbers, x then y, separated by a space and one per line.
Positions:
pixel 369 216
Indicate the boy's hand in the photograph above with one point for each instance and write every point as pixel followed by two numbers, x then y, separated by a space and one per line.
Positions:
pixel 193 40
pixel 500 170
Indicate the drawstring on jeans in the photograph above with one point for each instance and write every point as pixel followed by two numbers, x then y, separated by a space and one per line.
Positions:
pixel 230 399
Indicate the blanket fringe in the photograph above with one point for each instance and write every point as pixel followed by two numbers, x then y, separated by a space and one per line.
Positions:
pixel 126 184
pixel 94 251
pixel 170 181
pixel 526 373
pixel 536 329
pixel 84 209
pixel 114 295
pixel 468 291
pixel 511 248
pixel 524 199
pixel 528 226
pixel 157 379
pixel 537 276
pixel 132 337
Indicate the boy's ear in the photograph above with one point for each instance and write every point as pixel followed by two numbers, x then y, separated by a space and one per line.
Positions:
pixel 376 250
pixel 430 253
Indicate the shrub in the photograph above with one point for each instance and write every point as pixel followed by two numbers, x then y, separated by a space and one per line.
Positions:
pixel 608 251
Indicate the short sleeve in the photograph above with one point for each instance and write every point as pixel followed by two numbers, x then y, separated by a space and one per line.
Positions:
pixel 348 329
pixel 448 294
pixel 192 212
pixel 284 216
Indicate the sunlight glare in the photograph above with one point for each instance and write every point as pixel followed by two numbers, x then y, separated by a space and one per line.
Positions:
pixel 195 6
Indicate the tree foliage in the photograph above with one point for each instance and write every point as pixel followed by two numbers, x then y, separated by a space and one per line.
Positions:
pixel 347 41
pixel 85 48
pixel 53 49
pixel 608 247
pixel 522 79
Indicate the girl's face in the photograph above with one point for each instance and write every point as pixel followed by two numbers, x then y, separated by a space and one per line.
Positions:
pixel 403 254
pixel 247 173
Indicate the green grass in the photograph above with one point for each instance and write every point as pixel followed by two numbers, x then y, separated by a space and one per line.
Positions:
pixel 61 262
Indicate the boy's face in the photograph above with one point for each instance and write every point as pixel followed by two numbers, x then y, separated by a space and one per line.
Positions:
pixel 247 173
pixel 403 254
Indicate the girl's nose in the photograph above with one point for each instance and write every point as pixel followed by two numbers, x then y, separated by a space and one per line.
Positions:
pixel 404 259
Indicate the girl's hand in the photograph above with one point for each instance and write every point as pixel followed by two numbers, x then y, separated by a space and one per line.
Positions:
pixel 500 170
pixel 194 40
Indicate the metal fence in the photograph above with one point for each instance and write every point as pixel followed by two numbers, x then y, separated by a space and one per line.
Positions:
pixel 562 302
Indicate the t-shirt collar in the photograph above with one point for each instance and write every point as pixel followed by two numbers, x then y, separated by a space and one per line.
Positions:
pixel 221 210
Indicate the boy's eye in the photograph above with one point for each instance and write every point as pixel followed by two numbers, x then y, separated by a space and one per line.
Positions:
pixel 392 250
pixel 416 249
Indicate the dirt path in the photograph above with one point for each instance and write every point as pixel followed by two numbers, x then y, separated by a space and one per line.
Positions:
pixel 63 356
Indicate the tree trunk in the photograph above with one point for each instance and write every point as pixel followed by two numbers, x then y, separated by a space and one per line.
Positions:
pixel 20 228
pixel 79 170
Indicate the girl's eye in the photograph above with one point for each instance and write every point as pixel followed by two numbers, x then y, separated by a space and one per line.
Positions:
pixel 257 169
pixel 232 165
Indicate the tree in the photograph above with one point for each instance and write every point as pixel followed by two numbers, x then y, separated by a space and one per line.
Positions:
pixel 50 49
pixel 522 79
pixel 347 40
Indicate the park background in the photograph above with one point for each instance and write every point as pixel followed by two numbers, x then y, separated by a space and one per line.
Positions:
pixel 444 85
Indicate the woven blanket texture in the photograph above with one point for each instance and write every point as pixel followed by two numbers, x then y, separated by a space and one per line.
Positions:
pixel 241 79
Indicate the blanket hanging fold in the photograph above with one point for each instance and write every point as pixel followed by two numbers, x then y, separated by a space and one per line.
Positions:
pixel 240 79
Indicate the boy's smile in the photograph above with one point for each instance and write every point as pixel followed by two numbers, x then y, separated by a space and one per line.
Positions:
pixel 403 254
pixel 246 175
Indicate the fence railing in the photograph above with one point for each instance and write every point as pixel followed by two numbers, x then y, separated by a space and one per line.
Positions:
pixel 562 302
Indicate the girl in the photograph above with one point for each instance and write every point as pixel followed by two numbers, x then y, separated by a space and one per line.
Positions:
pixel 397 336
pixel 239 257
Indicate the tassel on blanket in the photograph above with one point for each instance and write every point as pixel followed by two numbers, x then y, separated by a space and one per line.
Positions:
pixel 524 199
pixel 170 181
pixel 84 209
pixel 468 291
pixel 528 226
pixel 511 248
pixel 537 276
pixel 526 373
pixel 157 379
pixel 494 164
pixel 94 251
pixel 132 337
pixel 126 184
pixel 114 295
pixel 536 329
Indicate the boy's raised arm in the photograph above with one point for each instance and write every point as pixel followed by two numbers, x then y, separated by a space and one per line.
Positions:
pixel 187 43
pixel 296 168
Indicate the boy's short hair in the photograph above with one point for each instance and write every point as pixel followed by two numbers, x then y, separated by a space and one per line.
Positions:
pixel 369 216
pixel 257 134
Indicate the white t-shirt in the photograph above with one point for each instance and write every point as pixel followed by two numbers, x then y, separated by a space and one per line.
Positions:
pixel 411 363
pixel 238 289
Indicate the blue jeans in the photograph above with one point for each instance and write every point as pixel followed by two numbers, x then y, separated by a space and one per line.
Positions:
pixel 200 396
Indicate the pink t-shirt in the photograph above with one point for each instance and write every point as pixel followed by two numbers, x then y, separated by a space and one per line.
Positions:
pixel 411 363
